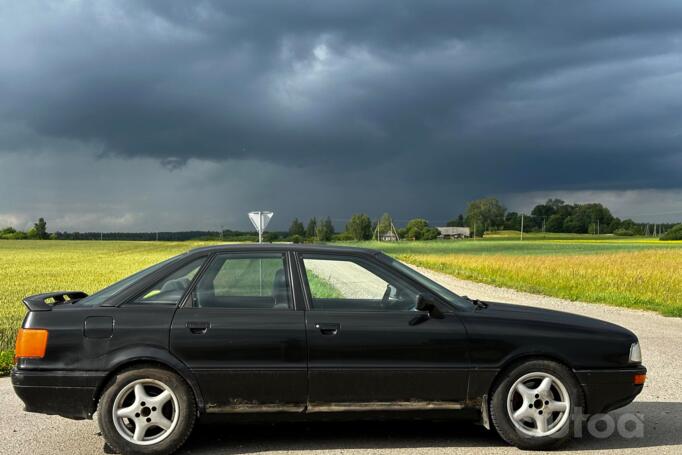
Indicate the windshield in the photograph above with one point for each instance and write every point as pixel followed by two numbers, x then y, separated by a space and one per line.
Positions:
pixel 101 296
pixel 428 283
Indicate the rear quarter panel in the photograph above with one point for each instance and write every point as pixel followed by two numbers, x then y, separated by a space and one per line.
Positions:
pixel 69 347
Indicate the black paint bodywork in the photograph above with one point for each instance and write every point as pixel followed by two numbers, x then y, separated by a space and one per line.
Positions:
pixel 309 361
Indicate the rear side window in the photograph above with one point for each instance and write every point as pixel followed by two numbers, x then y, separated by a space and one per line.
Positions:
pixel 244 282
pixel 169 290
pixel 101 296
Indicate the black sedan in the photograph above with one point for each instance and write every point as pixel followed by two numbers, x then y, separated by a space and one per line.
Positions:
pixel 290 331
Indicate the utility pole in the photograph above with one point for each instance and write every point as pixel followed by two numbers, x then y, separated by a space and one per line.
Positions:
pixel 221 232
pixel 474 230
pixel 597 226
pixel 522 227
pixel 543 224
pixel 157 236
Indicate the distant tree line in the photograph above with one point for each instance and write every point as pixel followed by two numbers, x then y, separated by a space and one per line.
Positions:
pixel 482 215
pixel 37 232
pixel 322 231
pixel 555 215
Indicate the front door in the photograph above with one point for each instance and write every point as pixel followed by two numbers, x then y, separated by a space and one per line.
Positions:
pixel 242 337
pixel 369 347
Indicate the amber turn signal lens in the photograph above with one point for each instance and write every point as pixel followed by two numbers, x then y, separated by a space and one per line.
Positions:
pixel 639 379
pixel 31 343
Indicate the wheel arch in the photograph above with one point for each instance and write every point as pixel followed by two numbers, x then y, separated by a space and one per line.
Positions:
pixel 165 360
pixel 516 360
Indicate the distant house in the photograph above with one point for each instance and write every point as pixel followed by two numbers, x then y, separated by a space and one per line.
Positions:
pixel 454 232
pixel 389 236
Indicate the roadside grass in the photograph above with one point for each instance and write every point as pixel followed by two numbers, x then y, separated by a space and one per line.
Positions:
pixel 321 288
pixel 516 235
pixel 649 280
pixel 526 247
pixel 641 273
pixel 6 362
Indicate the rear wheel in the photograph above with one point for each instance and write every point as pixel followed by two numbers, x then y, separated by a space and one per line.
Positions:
pixel 146 411
pixel 534 404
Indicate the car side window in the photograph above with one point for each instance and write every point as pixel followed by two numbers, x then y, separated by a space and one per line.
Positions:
pixel 244 282
pixel 169 290
pixel 341 284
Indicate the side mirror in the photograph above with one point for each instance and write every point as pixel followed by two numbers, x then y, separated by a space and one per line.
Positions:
pixel 425 304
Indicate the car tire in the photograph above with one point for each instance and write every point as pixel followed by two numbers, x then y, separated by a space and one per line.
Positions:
pixel 155 411
pixel 527 402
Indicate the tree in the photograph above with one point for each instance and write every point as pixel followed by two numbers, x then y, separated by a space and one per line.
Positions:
pixel 384 224
pixel 359 227
pixel 615 225
pixel 590 218
pixel 326 230
pixel 512 221
pixel 555 223
pixel 485 214
pixel 574 225
pixel 311 229
pixel 8 231
pixel 296 228
pixel 40 229
pixel 674 233
pixel 419 229
pixel 630 225
pixel 457 222
pixel 430 233
pixel 542 212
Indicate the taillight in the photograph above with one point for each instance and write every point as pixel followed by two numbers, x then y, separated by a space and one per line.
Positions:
pixel 31 343
pixel 639 379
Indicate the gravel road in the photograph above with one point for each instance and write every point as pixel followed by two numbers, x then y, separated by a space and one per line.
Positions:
pixel 660 405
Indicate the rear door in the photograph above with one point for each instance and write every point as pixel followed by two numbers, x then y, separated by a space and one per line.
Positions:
pixel 369 348
pixel 241 335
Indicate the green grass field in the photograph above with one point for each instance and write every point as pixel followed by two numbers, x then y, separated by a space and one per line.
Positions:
pixel 629 272
pixel 639 273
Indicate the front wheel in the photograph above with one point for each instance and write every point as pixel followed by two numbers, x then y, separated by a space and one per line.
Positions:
pixel 534 404
pixel 146 411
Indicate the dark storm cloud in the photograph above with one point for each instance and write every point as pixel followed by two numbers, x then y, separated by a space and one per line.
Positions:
pixel 474 97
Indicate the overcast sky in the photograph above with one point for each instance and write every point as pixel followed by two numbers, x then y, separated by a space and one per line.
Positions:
pixel 177 115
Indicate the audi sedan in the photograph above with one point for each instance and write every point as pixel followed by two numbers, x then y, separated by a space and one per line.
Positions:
pixel 295 332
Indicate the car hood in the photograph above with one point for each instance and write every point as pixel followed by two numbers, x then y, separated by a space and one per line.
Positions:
pixel 535 315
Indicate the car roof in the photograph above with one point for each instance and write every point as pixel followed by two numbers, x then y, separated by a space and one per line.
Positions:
pixel 298 247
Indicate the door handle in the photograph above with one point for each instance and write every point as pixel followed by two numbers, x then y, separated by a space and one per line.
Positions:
pixel 198 327
pixel 327 328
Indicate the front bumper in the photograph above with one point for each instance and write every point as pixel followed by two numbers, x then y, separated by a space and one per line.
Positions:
pixel 69 394
pixel 606 390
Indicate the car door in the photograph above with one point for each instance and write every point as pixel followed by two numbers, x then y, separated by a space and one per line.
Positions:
pixel 368 345
pixel 241 335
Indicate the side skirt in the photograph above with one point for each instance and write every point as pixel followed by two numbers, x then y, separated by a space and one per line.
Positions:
pixel 386 406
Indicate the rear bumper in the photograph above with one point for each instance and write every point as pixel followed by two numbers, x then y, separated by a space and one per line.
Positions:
pixel 606 390
pixel 68 394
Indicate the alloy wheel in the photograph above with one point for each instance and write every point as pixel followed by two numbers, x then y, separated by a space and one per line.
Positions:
pixel 538 404
pixel 145 412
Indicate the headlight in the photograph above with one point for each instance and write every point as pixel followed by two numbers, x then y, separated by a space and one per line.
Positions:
pixel 635 353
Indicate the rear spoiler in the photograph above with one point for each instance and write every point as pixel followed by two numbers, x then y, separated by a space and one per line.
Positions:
pixel 39 302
